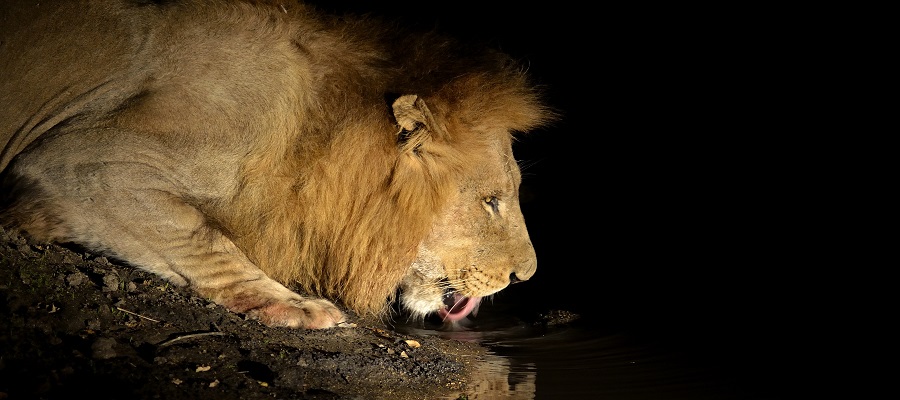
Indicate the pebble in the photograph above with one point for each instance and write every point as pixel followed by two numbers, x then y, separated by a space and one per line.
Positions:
pixel 102 348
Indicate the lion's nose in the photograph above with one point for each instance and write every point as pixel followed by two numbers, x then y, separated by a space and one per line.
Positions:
pixel 524 268
pixel 513 278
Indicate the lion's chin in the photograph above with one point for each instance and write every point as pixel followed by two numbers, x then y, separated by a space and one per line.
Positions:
pixel 457 307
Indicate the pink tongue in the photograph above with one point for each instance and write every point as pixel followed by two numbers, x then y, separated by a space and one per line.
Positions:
pixel 462 306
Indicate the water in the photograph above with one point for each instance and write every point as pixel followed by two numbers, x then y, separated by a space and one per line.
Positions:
pixel 585 359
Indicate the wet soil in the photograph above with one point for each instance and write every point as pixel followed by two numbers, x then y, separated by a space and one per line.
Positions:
pixel 74 324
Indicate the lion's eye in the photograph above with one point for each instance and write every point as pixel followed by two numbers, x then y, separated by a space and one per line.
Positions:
pixel 493 202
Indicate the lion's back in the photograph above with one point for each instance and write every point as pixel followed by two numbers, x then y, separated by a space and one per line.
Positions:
pixel 49 62
pixel 169 69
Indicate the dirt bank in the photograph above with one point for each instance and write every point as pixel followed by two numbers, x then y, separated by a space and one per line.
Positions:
pixel 74 324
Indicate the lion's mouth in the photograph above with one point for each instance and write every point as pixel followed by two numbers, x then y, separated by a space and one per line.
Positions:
pixel 457 306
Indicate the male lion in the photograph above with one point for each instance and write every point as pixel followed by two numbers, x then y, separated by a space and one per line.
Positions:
pixel 238 147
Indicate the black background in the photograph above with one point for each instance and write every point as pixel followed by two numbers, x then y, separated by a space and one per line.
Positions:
pixel 669 199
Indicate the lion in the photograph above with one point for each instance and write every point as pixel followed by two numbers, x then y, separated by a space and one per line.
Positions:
pixel 245 148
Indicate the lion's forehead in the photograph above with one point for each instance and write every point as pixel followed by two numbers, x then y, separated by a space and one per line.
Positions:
pixel 499 173
pixel 486 182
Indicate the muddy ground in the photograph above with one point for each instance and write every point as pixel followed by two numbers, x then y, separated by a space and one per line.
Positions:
pixel 73 324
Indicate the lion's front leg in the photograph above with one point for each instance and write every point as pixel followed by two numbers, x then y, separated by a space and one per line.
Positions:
pixel 159 232
pixel 218 270
pixel 177 240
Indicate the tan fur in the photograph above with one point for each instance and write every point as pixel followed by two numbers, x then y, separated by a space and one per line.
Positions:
pixel 220 144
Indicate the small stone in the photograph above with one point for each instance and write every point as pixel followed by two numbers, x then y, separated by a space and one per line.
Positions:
pixel 71 258
pixel 110 283
pixel 25 249
pixel 75 279
pixel 93 324
pixel 102 348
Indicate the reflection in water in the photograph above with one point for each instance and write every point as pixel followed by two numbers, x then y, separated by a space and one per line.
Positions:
pixel 494 378
pixel 574 361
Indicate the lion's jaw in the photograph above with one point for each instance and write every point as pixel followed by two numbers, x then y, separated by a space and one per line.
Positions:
pixel 434 286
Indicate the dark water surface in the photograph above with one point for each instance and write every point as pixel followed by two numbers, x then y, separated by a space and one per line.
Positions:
pixel 594 359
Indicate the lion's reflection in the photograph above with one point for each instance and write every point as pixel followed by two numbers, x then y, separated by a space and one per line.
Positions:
pixel 498 377
pixel 491 376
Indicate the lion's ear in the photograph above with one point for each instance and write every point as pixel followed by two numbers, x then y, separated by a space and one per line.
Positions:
pixel 417 124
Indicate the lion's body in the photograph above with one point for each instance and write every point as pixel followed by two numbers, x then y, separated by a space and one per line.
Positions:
pixel 220 144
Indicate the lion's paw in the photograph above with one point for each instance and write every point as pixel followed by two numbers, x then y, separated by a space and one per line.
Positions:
pixel 275 305
pixel 305 313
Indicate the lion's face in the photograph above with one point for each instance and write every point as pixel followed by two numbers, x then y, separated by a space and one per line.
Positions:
pixel 478 245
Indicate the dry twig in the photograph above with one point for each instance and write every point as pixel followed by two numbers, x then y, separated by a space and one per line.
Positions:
pixel 136 314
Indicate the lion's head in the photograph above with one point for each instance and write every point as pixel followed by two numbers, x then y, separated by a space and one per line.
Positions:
pixel 434 212
pixel 478 243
